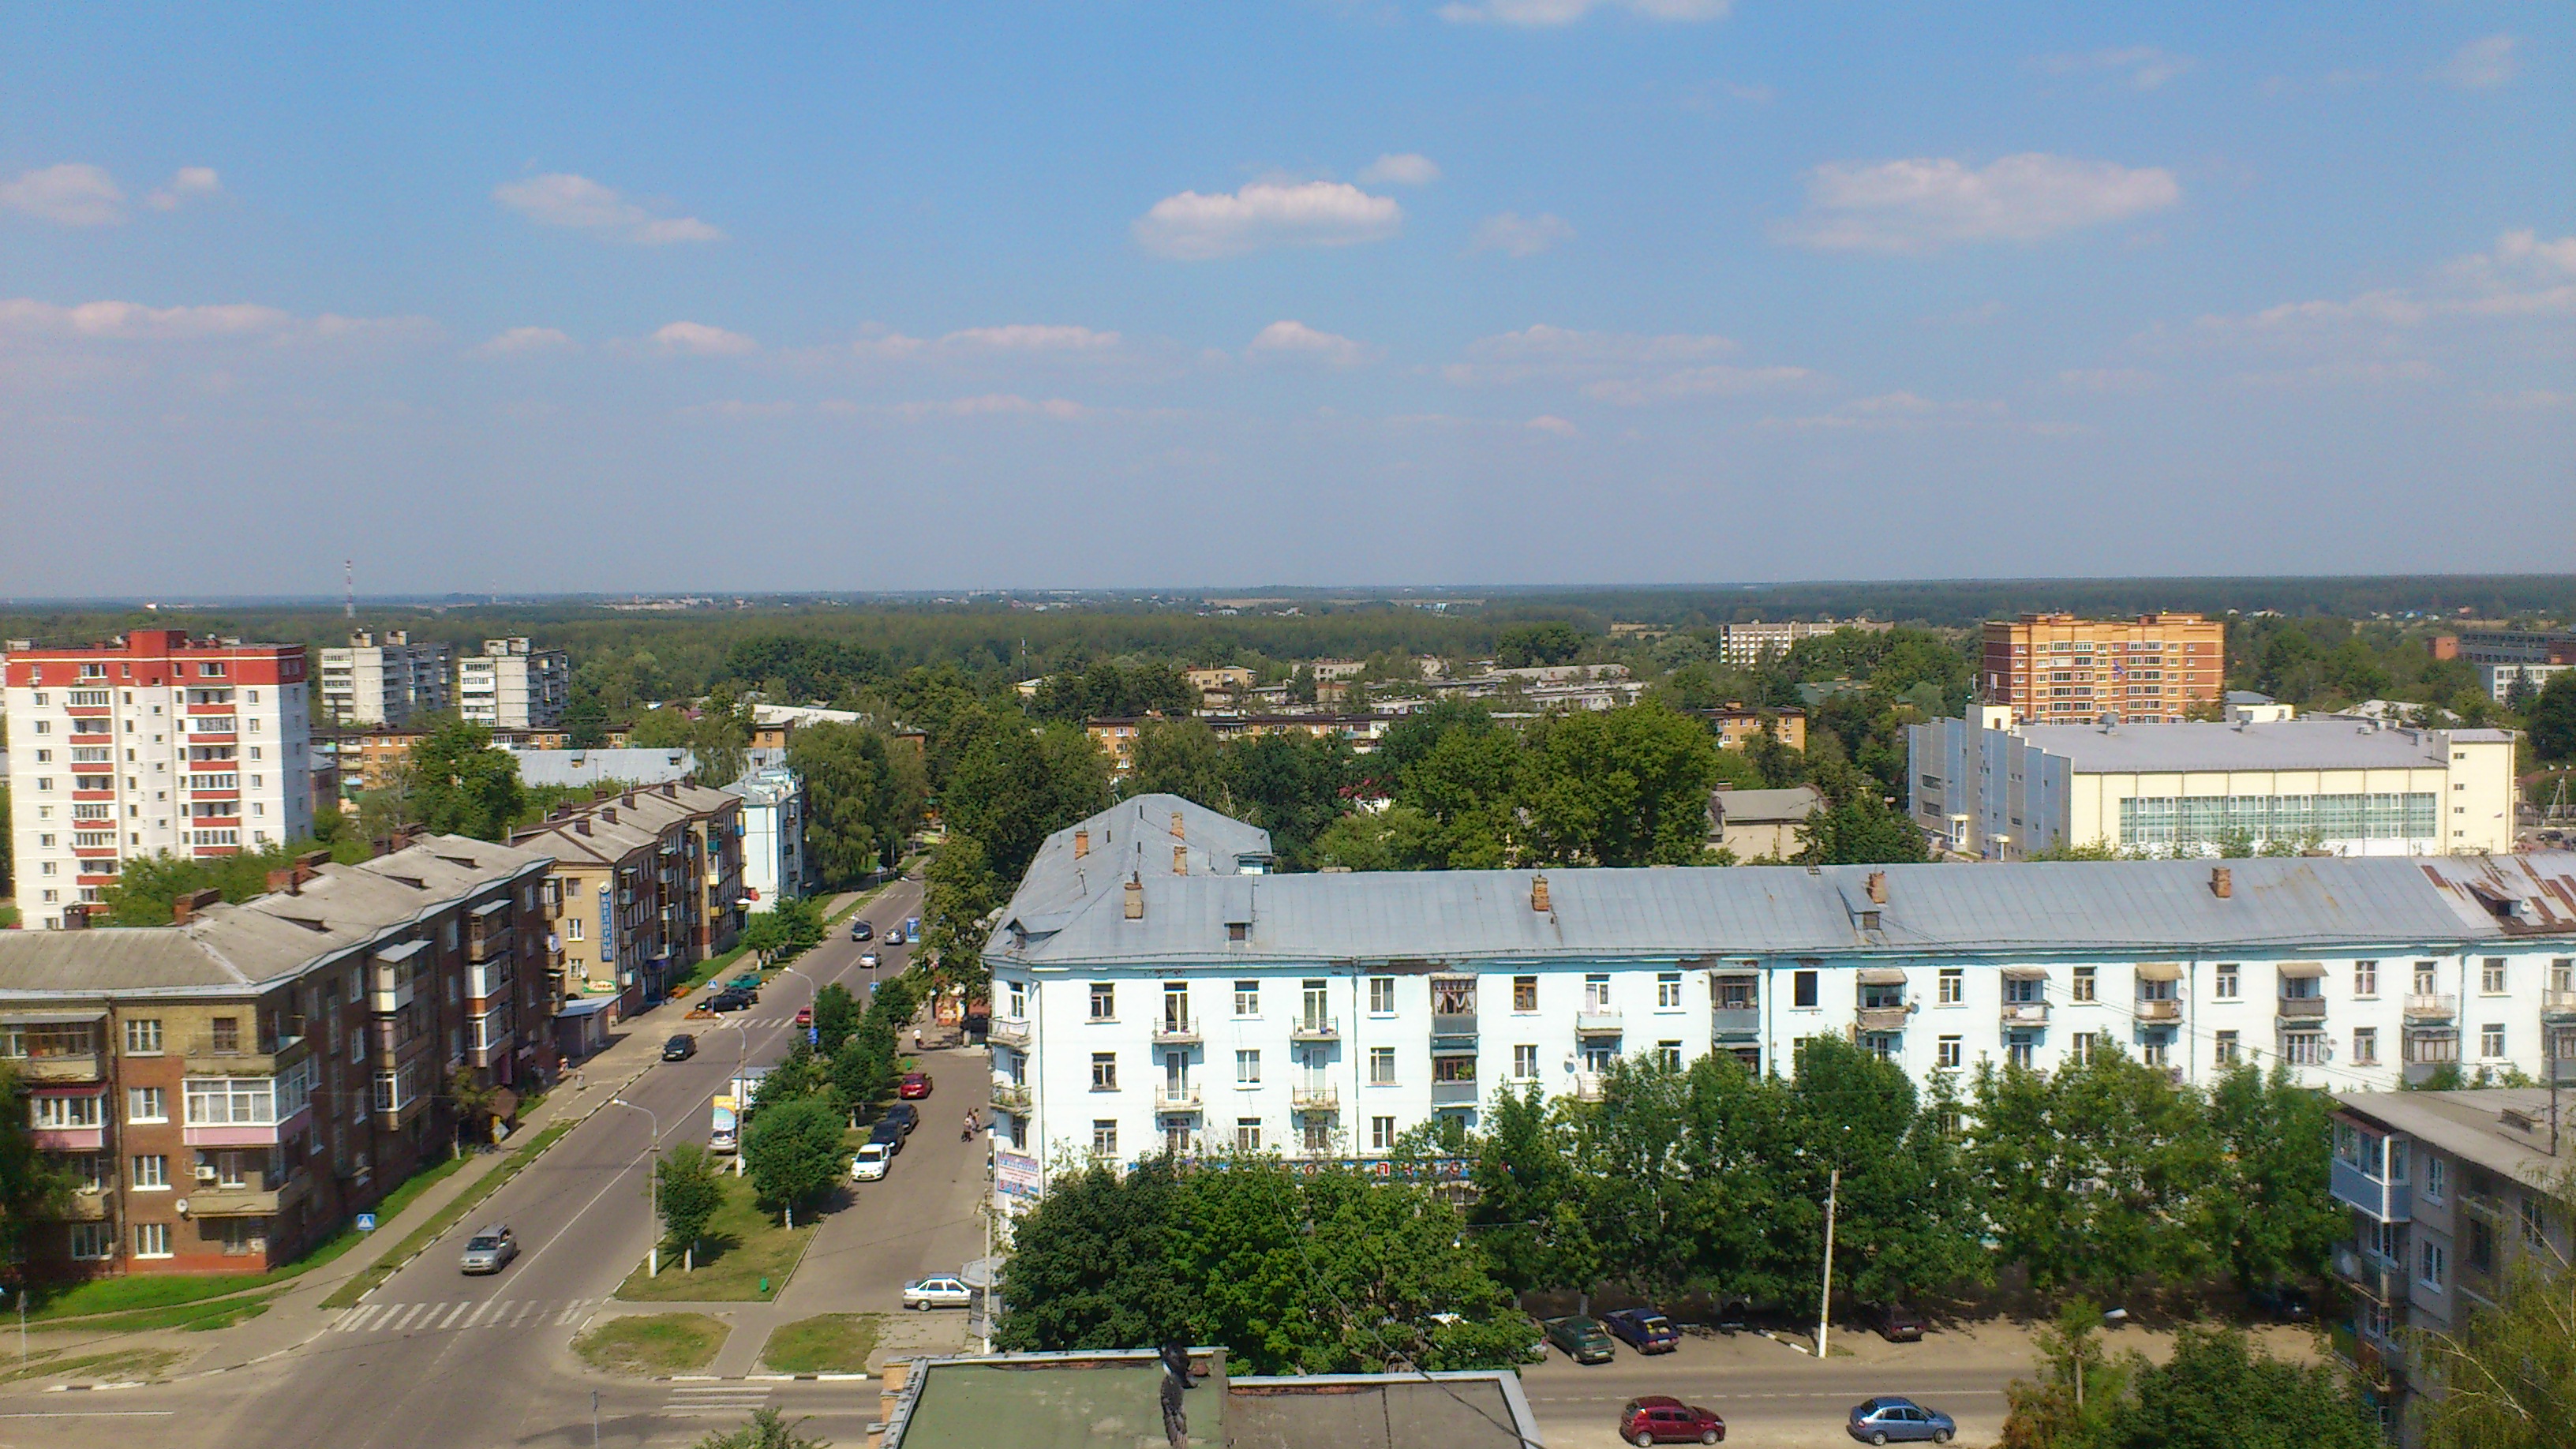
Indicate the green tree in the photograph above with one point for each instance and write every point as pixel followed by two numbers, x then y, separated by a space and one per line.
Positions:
pixel 585 720
pixel 1178 757
pixel 1622 787
pixel 863 1068
pixel 793 1152
pixel 1294 785
pixel 1010 789
pixel 2219 1392
pixel 768 1429
pixel 460 785
pixel 2266 1203
pixel 1857 825
pixel 1530 1204
pixel 959 892
pixel 1524 645
pixel 33 1185
pixel 1091 1267
pixel 689 1188
pixel 854 809
pixel 2552 720
pixel 836 1015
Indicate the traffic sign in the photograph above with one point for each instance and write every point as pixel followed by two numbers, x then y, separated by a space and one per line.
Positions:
pixel 366 1222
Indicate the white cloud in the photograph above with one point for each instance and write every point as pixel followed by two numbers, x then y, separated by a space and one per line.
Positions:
pixel 697 339
pixel 2140 67
pixel 1550 423
pixel 1719 380
pixel 734 410
pixel 1562 353
pixel 519 340
pixel 1923 204
pixel 72 194
pixel 1541 13
pixel 26 319
pixel 2523 276
pixel 1295 339
pixel 1401 169
pixel 187 184
pixel 997 404
pixel 2481 65
pixel 1195 227
pixel 1515 235
pixel 1030 337
pixel 565 200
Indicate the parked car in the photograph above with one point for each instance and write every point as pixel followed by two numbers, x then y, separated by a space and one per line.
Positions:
pixel 490 1249
pixel 871 1163
pixel 913 1087
pixel 862 931
pixel 730 1001
pixel 904 1115
pixel 1582 1339
pixel 1663 1419
pixel 888 1134
pixel 1897 1323
pixel 1891 1420
pixel 929 1293
pixel 747 981
pixel 1646 1330
pixel 804 1016
pixel 2283 1303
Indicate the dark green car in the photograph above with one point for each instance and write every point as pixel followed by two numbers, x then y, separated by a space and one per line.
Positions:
pixel 1583 1339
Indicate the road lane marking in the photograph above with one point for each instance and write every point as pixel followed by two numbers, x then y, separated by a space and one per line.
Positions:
pixel 453 1314
pixel 476 1320
pixel 350 1320
pixel 93 1414
pixel 524 1311
pixel 408 1315
pixel 570 1309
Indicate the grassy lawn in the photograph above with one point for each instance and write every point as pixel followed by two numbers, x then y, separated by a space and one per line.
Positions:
pixel 743 1246
pixel 347 1294
pixel 120 1366
pixel 652 1343
pixel 200 1316
pixel 835 1343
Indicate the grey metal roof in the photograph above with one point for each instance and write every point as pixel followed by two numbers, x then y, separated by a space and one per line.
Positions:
pixel 1765 806
pixel 2054 906
pixel 600 767
pixel 1131 838
pixel 2471 1124
pixel 2296 744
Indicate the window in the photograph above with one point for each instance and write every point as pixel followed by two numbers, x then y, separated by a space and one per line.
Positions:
pixel 2228 1050
pixel 2155 1050
pixel 232 1101
pixel 2491 976
pixel 151 1171
pixel 1453 1069
pixel 152 1240
pixel 2491 1040
pixel 2535 1226
pixel 1104 1001
pixel 1381 1066
pixel 226 1034
pixel 1104 1071
pixel 2481 1245
pixel 2365 978
pixel 2084 982
pixel 1247 998
pixel 1596 993
pixel 1950 1053
pixel 1524 993
pixel 92 1241
pixel 1247 1069
pixel 1954 986
pixel 1176 1007
pixel 1525 1062
pixel 56 1114
pixel 1317 1134
pixel 1668 991
pixel 1668 1055
pixel 2365 1046
pixel 1104 1137
pixel 2080 1049
pixel 2425 984
pixel 1381 1134
pixel 1019 1001
pixel 2434 1266
pixel 146 1104
pixel 1453 996
pixel 2437 1178
pixel 1802 988
pixel 2562 974
pixel 1381 996
pixel 1247 1134
pixel 2019 1049
pixel 2303 1048
pixel 572 928
pixel 2224 982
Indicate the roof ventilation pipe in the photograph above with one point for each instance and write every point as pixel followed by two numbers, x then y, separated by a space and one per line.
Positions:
pixel 1538 894
pixel 2222 882
pixel 1081 844
pixel 1177 832
pixel 1135 898
pixel 1180 860
pixel 1878 887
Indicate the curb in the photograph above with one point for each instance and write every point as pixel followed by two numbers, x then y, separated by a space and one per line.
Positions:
pixel 816 1378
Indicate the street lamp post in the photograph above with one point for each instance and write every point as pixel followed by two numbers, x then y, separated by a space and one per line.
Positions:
pixel 653 1184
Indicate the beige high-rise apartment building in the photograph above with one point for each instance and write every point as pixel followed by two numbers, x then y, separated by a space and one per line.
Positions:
pixel 2059 669
pixel 383 681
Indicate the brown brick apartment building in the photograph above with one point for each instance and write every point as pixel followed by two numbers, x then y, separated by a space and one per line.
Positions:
pixel 2059 669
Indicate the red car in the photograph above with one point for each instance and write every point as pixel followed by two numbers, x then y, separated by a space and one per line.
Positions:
pixel 1663 1419
pixel 913 1087
pixel 804 1016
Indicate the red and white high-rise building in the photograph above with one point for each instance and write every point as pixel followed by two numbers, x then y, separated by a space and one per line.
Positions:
pixel 152 743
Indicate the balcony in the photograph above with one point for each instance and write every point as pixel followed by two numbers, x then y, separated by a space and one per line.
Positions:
pixel 1587 1086
pixel 2558 1005
pixel 71 1067
pixel 2302 1008
pixel 486 946
pixel 255 1200
pixel 386 999
pixel 1011 1096
pixel 1177 1031
pixel 2427 1007
pixel 1454 1094
pixel 1731 1022
pixel 1882 1018
pixel 2388 1202
pixel 86 1205
pixel 1454 1024
pixel 1008 1032
pixel 1315 1097
pixel 2369 1275
pixel 1316 1028
pixel 2159 1009
pixel 1599 1020
pixel 1176 1097
pixel 2025 1013
pixel 238 1056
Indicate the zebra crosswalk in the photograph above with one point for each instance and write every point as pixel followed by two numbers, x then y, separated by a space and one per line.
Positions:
pixel 724 1398
pixel 460 1316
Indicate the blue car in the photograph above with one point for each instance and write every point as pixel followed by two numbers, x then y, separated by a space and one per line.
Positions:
pixel 1642 1329
pixel 1888 1420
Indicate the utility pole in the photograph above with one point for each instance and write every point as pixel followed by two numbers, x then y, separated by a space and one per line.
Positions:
pixel 1825 1300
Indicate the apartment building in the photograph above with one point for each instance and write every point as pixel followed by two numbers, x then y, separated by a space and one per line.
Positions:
pixel 2448 1191
pixel 383 681
pixel 1987 787
pixel 1747 645
pixel 2059 669
pixel 153 742
pixel 644 885
pixel 774 860
pixel 511 685
pixel 1736 725
pixel 1153 990
pixel 226 1091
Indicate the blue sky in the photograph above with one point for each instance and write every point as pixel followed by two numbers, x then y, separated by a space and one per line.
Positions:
pixel 1495 291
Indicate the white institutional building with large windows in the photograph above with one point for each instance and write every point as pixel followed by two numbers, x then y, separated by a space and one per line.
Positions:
pixel 1157 989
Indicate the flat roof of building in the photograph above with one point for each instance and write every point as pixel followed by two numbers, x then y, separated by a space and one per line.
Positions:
pixel 2292 744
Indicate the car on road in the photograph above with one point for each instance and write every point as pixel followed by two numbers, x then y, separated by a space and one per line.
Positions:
pixel 1892 1420
pixel 1663 1419
pixel 904 1115
pixel 871 1163
pixel 730 1001
pixel 1646 1330
pixel 862 931
pixel 870 960
pixel 804 1016
pixel 680 1048
pixel 888 1134
pixel 895 936
pixel 490 1249
pixel 1582 1339
pixel 2283 1303
pixel 913 1087
pixel 942 1292
pixel 1897 1323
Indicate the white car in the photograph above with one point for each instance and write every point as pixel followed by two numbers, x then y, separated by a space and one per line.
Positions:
pixel 871 1163
pixel 928 1293
pixel 869 960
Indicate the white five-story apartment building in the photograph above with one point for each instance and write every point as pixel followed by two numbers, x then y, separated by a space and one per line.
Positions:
pixel 1156 989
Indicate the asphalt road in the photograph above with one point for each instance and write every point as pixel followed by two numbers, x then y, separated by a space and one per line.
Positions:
pixel 435 1359
pixel 1768 1393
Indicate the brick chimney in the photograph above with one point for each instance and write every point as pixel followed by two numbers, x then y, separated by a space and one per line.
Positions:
pixel 1135 898
pixel 2222 882
pixel 1878 887
pixel 185 908
pixel 1081 844
pixel 581 825
pixel 627 799
pixel 1180 860
pixel 608 813
pixel 1538 894
pixel 1177 832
